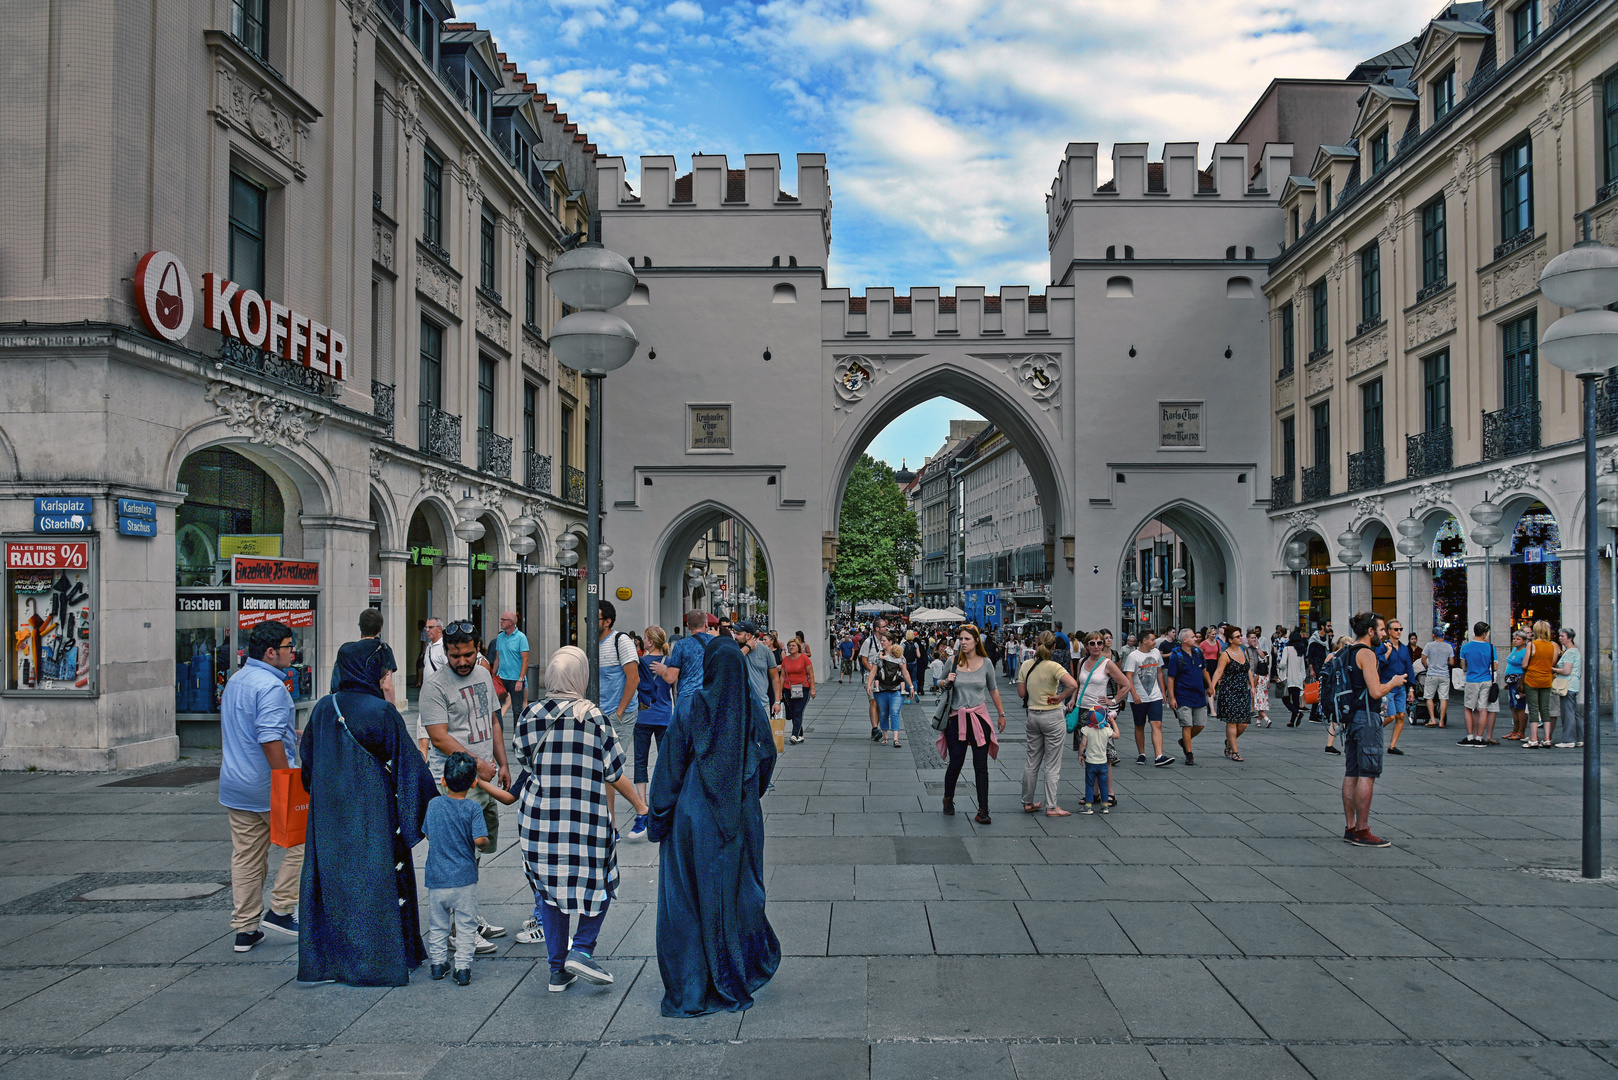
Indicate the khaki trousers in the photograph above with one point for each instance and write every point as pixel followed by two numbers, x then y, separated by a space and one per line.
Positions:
pixel 250 865
pixel 1047 734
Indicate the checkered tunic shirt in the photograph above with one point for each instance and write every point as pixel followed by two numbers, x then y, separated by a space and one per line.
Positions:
pixel 566 834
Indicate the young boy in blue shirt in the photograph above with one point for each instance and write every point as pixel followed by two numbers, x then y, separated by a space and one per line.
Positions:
pixel 456 830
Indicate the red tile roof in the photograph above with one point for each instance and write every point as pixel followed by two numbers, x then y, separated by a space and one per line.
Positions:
pixel 682 188
pixel 735 185
pixel 901 305
pixel 991 303
pixel 856 305
pixel 1036 303
pixel 946 303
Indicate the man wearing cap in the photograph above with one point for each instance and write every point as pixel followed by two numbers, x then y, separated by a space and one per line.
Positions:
pixel 762 673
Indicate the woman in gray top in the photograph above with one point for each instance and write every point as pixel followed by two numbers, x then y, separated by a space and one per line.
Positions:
pixel 973 683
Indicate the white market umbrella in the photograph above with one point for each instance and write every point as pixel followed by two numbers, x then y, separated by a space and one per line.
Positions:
pixel 953 614
pixel 874 607
pixel 929 615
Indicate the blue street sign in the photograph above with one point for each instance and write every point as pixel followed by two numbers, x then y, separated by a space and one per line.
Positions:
pixel 62 505
pixel 61 523
pixel 128 526
pixel 137 508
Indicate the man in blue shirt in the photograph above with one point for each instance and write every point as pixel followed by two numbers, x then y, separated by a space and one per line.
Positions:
pixel 1479 658
pixel 1393 658
pixel 1185 688
pixel 258 733
pixel 683 667
pixel 511 653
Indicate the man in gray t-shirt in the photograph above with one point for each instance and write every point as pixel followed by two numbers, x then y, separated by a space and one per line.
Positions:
pixel 460 712
pixel 763 676
pixel 1438 655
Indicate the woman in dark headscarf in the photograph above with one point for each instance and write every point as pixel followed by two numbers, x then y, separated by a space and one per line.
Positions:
pixel 715 947
pixel 368 794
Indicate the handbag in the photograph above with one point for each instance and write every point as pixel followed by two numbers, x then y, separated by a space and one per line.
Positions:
pixel 1457 678
pixel 1311 693
pixel 945 703
pixel 1560 685
pixel 289 808
pixel 1078 705
pixel 1494 687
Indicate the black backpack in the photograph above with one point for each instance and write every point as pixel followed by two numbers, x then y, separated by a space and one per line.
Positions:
pixel 1339 700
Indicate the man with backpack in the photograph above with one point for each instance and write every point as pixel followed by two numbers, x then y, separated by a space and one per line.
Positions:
pixel 1350 690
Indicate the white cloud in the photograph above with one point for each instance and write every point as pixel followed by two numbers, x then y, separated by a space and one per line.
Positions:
pixel 684 10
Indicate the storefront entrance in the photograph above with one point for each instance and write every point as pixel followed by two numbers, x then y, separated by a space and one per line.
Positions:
pixel 1449 582
pixel 1536 569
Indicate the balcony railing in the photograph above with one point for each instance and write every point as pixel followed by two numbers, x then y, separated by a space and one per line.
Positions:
pixel 1317 482
pixel 382 402
pixel 440 434
pixel 573 485
pixel 1511 431
pixel 1365 469
pixel 494 454
pixel 536 474
pixel 1512 243
pixel 1606 389
pixel 1317 354
pixel 1285 371
pixel 1607 191
pixel 1427 292
pixel 274 368
pixel 1368 325
pixel 1281 492
pixel 1429 453
pixel 438 251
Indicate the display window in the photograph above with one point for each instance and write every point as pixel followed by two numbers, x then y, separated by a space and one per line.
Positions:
pixel 298 612
pixel 203 660
pixel 1535 569
pixel 1449 582
pixel 51 608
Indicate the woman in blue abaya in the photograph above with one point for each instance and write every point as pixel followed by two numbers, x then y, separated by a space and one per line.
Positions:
pixel 368 793
pixel 715 948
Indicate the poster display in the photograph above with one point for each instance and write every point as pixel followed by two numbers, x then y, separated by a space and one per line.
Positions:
pixel 50 609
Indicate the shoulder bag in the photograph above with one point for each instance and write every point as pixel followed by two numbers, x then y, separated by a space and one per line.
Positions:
pixel 946 703
pixel 1078 703
pixel 1494 687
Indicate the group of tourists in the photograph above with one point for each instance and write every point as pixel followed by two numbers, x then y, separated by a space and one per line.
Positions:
pixel 348 893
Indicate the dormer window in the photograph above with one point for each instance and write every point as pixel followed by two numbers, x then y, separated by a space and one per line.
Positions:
pixel 247 26
pixel 1443 90
pixel 1325 196
pixel 477 99
pixel 520 151
pixel 1379 151
pixel 1524 25
pixel 1296 226
pixel 424 31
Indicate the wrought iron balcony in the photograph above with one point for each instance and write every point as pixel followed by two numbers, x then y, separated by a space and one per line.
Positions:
pixel 1281 492
pixel 1283 373
pixel 1427 292
pixel 573 485
pixel 274 368
pixel 1430 453
pixel 1318 354
pixel 440 434
pixel 1512 243
pixel 1511 431
pixel 438 251
pixel 1365 469
pixel 1607 191
pixel 382 402
pixel 1606 390
pixel 1368 325
pixel 536 474
pixel 1567 9
pixel 1317 482
pixel 494 454
pixel 492 296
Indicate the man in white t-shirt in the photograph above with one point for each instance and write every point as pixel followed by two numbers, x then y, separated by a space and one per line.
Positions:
pixel 1144 666
pixel 871 649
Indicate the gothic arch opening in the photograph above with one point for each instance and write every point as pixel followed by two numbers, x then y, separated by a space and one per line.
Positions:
pixel 712 559
pixel 1179 569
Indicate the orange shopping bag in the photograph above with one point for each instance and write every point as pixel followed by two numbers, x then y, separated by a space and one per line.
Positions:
pixel 289 807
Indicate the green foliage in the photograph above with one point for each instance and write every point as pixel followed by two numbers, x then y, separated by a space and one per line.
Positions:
pixel 761 577
pixel 878 539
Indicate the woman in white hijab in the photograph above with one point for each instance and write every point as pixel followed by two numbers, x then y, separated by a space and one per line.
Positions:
pixel 571 756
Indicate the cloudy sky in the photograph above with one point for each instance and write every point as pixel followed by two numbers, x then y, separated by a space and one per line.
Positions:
pixel 943 120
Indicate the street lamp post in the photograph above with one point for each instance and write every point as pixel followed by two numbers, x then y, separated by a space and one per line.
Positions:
pixel 1349 552
pixel 1297 559
pixel 592 342
pixel 469 529
pixel 1486 533
pixel 1410 546
pixel 1585 278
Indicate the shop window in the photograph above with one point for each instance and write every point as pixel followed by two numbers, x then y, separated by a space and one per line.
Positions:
pixel 1448 565
pixel 1536 569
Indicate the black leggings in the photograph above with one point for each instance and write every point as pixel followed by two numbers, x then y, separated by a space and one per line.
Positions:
pixel 795 707
pixel 1291 699
pixel 957 761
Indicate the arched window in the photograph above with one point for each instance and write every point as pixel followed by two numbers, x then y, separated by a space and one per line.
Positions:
pixel 1239 288
pixel 1120 287
pixel 785 294
pixel 1112 252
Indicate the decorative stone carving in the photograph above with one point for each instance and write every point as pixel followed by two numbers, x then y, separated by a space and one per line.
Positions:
pixel 381 244
pixel 409 99
pixel 1369 351
pixel 1284 388
pixel 1514 477
pixel 1317 376
pixel 248 105
pixel 853 376
pixel 1516 277
pixel 1605 227
pixel 1299 520
pixel 268 420
pixel 1339 261
pixel 490 496
pixel 1556 97
pixel 469 178
pixel 1463 168
pixel 1041 377
pixel 437 284
pixel 1433 494
pixel 1390 219
pixel 1367 507
pixel 1433 319
pixel 493 323
pixel 535 357
pixel 433 479
pixel 377 459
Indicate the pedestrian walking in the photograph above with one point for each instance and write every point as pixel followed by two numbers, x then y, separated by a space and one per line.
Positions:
pixel 1144 666
pixel 1439 656
pixel 967 726
pixel 369 644
pixel 455 833
pixel 1186 685
pixel 1233 689
pixel 798 683
pixel 1258 659
pixel 1047 688
pixel 1294 672
pixel 870 650
pixel 1362 730
pixel 763 673
pixel 1481 698
pixel 1569 678
pixel 257 735
pixel 887 682
pixel 845 650
pixel 653 713
pixel 511 661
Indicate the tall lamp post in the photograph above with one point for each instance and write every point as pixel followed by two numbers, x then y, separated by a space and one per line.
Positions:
pixel 1585 278
pixel 592 342
pixel 523 544
pixel 1297 559
pixel 469 529
pixel 1486 533
pixel 1410 546
pixel 1608 511
pixel 1348 544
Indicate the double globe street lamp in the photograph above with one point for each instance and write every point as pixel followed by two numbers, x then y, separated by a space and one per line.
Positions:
pixel 1585 278
pixel 1297 560
pixel 591 279
pixel 1409 545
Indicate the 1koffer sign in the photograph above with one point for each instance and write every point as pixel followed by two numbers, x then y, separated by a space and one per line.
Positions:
pixel 167 306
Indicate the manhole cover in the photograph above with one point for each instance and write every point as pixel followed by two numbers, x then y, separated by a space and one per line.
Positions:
pixel 182 777
pixel 177 890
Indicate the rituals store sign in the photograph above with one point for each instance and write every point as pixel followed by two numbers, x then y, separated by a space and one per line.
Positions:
pixel 1179 425
pixel 710 427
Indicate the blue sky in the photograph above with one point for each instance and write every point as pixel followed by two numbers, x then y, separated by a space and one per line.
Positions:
pixel 943 120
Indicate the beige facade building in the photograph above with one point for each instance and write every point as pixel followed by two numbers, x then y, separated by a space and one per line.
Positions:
pixel 1405 320
pixel 186 449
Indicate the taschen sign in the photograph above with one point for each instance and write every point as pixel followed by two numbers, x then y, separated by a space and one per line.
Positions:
pixel 167 306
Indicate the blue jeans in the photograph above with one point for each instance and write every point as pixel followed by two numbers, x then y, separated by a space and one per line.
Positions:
pixel 1096 788
pixel 887 709
pixel 555 925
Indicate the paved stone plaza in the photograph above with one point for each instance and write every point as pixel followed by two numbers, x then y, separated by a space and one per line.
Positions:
pixel 1213 925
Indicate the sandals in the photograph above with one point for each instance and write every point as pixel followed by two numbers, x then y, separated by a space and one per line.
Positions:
pixel 1057 811
pixel 1235 757
pixel 1031 807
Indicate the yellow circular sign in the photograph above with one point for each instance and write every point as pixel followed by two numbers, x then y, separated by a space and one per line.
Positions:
pixel 624 592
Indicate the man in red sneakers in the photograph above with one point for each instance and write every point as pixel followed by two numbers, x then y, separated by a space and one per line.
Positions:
pixel 1362 732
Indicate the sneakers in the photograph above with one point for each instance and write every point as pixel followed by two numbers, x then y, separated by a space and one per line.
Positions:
pixel 286 924
pixel 1085 808
pixel 1396 750
pixel 1190 758
pixel 1141 760
pixel 876 734
pixel 1348 834
pixel 795 739
pixel 637 831
pixel 531 933
pixel 1468 741
pixel 949 807
pixel 1333 750
pixel 561 980
pixel 438 971
pixel 246 939
pixel 1162 760
pixel 484 947
pixel 1565 745
pixel 489 930
pixel 1104 807
pixel 1364 838
pixel 584 966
